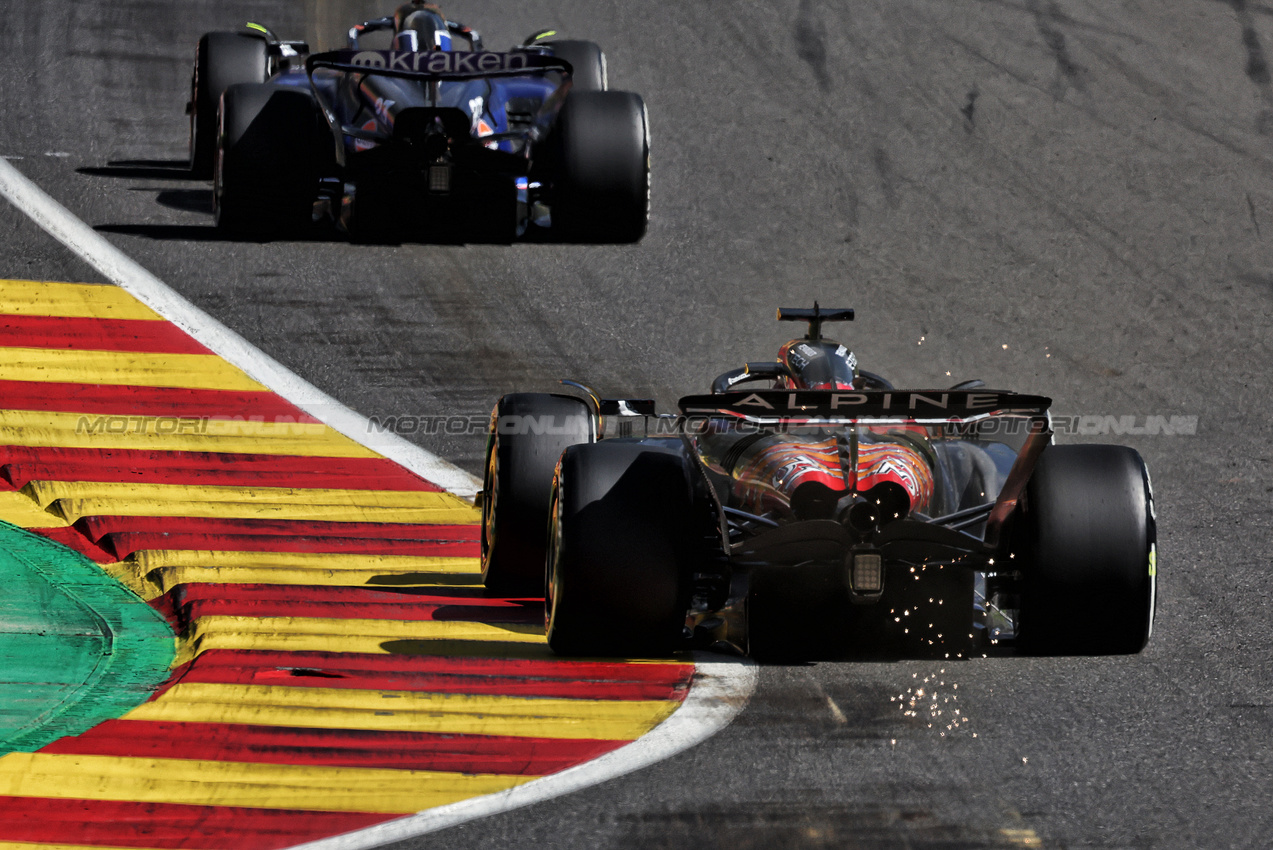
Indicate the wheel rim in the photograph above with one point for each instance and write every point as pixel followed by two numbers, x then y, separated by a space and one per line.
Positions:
pixel 1152 555
pixel 551 593
pixel 489 504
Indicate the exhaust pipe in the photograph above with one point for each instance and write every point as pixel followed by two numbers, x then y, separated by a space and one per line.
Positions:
pixel 886 502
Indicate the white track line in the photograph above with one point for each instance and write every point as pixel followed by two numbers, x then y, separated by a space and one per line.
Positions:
pixel 721 686
pixel 721 689
pixel 123 271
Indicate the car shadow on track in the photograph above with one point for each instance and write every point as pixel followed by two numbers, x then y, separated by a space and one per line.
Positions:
pixel 141 169
pixel 199 200
pixel 195 232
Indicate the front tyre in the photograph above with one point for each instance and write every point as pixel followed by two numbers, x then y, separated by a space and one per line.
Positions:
pixel 621 551
pixel 587 62
pixel 1087 543
pixel 222 59
pixel 601 160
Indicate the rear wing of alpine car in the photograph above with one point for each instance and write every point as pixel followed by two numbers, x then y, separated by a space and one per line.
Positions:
pixel 923 406
pixel 1017 422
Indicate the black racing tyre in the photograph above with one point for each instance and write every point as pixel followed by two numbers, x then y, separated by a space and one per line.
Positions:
pixel 621 551
pixel 587 62
pixel 529 431
pixel 1086 541
pixel 601 160
pixel 272 147
pixel 221 60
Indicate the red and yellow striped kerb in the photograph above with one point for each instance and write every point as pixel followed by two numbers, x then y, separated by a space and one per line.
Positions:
pixel 338 664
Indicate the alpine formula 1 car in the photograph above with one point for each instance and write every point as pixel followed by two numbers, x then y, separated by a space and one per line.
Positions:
pixel 828 513
pixel 434 135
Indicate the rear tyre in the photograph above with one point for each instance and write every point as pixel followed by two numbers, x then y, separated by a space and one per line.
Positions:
pixel 1087 540
pixel 529 431
pixel 621 550
pixel 602 168
pixel 221 60
pixel 271 150
pixel 586 60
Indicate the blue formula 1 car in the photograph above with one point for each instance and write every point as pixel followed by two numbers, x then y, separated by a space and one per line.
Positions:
pixel 434 137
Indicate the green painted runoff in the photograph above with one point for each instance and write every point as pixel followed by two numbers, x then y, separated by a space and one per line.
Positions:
pixel 76 646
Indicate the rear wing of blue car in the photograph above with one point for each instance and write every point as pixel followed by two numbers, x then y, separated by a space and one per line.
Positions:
pixel 438 64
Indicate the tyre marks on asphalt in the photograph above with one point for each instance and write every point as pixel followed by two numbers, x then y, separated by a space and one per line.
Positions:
pixel 338 663
pixel 811 43
pixel 1257 64
pixel 1048 19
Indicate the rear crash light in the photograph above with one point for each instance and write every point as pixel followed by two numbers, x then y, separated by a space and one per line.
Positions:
pixel 866 574
pixel 440 178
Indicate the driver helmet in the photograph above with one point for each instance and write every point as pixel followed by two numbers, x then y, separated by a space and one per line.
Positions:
pixel 420 26
pixel 817 364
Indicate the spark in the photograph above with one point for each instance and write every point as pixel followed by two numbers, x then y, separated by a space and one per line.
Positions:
pixel 928 701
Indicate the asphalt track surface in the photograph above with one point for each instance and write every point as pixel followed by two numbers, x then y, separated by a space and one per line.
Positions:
pixel 1057 197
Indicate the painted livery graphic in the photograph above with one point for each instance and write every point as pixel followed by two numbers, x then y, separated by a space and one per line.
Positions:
pixel 438 63
pixel 335 663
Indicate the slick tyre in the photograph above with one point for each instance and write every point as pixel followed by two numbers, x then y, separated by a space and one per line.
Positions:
pixel 587 62
pixel 270 153
pixel 601 159
pixel 529 431
pixel 621 550
pixel 1087 543
pixel 221 60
